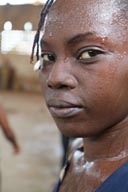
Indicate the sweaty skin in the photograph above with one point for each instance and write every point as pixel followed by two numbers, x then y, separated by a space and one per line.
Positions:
pixel 85 84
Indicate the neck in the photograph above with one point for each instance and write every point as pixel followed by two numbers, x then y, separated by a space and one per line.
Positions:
pixel 111 145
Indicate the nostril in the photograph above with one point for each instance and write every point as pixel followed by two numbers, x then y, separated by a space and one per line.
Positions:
pixel 49 86
pixel 56 84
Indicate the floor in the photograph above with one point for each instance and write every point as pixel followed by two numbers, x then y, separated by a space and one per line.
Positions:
pixel 37 166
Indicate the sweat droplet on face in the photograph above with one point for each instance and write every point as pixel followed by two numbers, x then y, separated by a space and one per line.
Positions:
pixel 50 34
pixel 104 39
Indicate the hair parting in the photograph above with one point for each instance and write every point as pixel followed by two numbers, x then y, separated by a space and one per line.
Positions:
pixel 40 24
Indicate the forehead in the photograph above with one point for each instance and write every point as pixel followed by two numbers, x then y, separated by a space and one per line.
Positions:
pixel 78 16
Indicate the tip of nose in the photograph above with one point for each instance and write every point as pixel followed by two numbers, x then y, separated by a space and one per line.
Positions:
pixel 64 83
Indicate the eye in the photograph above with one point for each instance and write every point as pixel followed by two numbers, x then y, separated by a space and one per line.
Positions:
pixel 46 60
pixel 89 55
pixel 47 57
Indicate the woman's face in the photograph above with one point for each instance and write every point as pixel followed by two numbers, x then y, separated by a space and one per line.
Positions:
pixel 85 66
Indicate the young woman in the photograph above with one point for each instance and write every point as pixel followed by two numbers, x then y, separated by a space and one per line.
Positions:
pixel 84 78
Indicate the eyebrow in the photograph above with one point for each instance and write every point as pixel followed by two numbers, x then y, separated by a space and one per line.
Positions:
pixel 81 37
pixel 73 39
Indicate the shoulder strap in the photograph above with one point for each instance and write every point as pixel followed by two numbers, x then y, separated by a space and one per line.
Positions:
pixel 117 181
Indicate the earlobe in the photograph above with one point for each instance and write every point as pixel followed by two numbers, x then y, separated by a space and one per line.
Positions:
pixel 38 65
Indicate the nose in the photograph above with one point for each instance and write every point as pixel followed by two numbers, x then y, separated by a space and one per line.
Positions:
pixel 61 76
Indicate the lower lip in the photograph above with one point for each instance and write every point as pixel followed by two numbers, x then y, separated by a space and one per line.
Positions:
pixel 65 112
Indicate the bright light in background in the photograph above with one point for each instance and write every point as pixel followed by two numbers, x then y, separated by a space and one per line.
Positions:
pixel 28 26
pixel 17 2
pixel 18 41
pixel 8 26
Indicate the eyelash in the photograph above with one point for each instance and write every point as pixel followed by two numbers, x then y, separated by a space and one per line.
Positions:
pixel 90 55
pixel 50 57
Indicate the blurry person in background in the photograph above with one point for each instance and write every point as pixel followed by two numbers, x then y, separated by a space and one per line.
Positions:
pixel 6 129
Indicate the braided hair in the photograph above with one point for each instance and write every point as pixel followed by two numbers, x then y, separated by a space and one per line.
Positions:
pixel 40 25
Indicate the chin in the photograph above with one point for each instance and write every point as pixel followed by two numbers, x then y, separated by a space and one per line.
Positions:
pixel 72 130
pixel 79 129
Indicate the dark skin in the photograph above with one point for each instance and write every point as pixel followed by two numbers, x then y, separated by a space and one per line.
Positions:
pixel 84 81
pixel 8 132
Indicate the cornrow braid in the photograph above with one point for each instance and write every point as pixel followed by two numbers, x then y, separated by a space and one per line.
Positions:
pixel 40 24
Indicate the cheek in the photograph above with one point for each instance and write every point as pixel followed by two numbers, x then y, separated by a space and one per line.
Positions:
pixel 105 87
pixel 42 79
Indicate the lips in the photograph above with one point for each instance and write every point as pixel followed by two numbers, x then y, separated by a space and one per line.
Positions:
pixel 63 109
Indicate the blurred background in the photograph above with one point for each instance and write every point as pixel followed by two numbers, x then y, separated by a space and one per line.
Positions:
pixel 36 167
